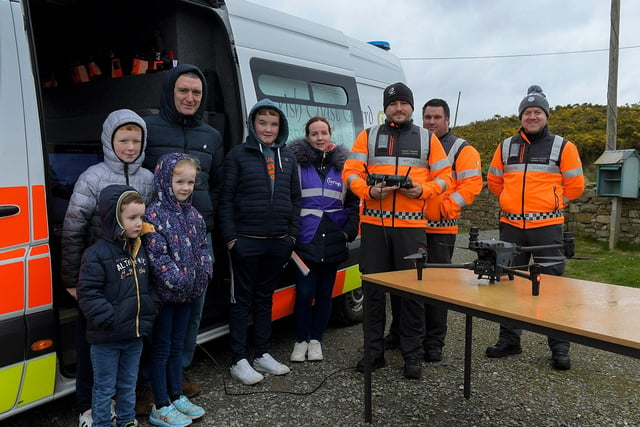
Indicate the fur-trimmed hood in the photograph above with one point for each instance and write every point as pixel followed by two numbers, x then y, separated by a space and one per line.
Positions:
pixel 307 155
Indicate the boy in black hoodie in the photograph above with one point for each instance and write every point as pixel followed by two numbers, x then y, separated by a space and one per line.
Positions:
pixel 259 216
pixel 118 302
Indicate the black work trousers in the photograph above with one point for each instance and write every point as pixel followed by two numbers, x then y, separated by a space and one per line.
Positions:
pixel 549 235
pixel 383 249
pixel 439 250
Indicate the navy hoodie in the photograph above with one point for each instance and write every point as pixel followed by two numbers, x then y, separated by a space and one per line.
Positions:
pixel 169 132
pixel 114 290
pixel 251 203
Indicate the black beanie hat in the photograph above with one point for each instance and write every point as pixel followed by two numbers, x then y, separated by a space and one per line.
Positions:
pixel 397 92
pixel 535 98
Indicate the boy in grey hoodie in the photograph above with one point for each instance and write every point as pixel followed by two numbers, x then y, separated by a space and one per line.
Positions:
pixel 124 138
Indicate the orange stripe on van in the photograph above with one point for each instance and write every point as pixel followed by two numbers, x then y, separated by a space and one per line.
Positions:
pixel 12 287
pixel 39 204
pixel 15 254
pixel 338 287
pixel 14 230
pixel 40 292
pixel 39 250
pixel 283 302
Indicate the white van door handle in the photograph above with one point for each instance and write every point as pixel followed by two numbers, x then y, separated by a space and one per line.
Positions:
pixel 9 210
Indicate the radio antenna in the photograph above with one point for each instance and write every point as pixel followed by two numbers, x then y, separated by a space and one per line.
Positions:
pixel 455 117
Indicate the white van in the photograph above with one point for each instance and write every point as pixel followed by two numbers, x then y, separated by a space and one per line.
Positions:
pixel 66 64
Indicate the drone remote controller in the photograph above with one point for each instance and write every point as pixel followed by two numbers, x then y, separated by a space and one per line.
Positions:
pixel 402 181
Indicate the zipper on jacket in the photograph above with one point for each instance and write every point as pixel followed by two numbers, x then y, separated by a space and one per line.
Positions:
pixel 135 277
pixel 524 155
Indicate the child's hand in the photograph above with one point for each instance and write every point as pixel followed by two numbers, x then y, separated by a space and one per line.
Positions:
pixel 72 292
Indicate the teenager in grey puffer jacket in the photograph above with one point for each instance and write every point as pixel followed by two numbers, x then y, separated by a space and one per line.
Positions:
pixel 82 224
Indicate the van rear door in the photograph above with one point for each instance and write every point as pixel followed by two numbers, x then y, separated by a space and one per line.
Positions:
pixel 27 331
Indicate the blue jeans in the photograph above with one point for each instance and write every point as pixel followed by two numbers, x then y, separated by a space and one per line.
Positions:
pixel 194 320
pixel 312 320
pixel 166 354
pixel 115 370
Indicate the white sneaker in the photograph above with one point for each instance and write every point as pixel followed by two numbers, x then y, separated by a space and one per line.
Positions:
pixel 244 373
pixel 315 350
pixel 268 364
pixel 114 417
pixel 85 419
pixel 299 352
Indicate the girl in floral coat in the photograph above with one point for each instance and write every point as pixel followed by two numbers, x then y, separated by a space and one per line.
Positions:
pixel 181 266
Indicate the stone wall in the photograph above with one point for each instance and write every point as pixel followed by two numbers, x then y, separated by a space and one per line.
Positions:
pixel 588 215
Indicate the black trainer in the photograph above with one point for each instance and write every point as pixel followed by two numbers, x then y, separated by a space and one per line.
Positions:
pixel 560 360
pixel 376 363
pixel 412 369
pixel 433 353
pixel 391 341
pixel 502 349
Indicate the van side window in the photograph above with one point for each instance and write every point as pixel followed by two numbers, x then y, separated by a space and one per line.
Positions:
pixel 304 92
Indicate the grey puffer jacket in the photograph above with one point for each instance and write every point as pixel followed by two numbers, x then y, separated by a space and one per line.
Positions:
pixel 82 224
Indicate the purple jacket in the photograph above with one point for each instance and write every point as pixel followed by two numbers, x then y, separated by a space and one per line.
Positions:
pixel 179 258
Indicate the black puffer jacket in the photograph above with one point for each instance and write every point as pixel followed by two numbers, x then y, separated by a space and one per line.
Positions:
pixel 248 206
pixel 329 243
pixel 171 132
pixel 114 290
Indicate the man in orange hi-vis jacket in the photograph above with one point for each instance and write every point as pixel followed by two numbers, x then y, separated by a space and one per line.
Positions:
pixel 534 174
pixel 443 212
pixel 392 220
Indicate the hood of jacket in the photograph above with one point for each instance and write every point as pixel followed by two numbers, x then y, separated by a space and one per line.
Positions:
pixel 162 181
pixel 168 109
pixel 283 133
pixel 109 206
pixel 307 155
pixel 112 123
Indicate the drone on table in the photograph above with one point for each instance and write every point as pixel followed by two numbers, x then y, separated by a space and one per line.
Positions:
pixel 495 257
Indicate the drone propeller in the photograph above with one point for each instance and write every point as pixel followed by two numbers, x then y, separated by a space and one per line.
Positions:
pixel 548 264
pixel 563 258
pixel 527 266
pixel 422 253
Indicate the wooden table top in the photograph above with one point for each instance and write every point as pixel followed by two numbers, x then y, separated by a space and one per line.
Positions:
pixel 605 312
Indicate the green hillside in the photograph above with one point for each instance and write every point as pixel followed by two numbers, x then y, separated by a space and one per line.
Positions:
pixel 585 125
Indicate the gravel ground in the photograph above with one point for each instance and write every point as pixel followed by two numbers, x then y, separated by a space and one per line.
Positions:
pixel 601 389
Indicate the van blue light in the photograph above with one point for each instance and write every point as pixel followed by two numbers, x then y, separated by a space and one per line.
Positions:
pixel 381 44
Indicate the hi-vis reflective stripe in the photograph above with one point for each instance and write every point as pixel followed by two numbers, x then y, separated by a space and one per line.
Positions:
pixel 422 162
pixel 29 224
pixel 40 223
pixel 316 212
pixel 14 229
pixel 38 381
pixel 12 274
pixel 453 153
pixel 284 299
pixel 554 156
pixel 39 265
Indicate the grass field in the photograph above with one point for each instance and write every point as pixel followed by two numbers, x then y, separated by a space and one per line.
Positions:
pixel 618 267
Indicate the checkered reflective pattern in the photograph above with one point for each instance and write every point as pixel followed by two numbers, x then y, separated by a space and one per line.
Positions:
pixel 443 223
pixel 416 216
pixel 533 216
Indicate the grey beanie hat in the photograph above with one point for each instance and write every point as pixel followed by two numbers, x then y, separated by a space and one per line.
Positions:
pixel 397 92
pixel 535 98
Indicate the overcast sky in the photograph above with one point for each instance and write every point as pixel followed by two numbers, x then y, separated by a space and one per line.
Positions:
pixel 481 28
